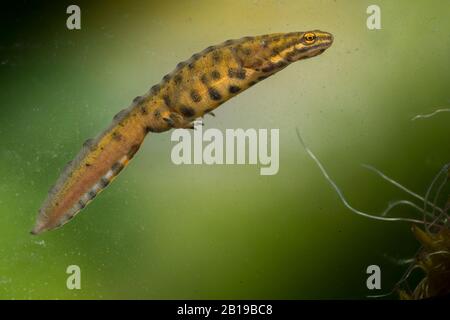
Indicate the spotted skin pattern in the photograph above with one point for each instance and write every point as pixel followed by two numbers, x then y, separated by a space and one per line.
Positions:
pixel 196 87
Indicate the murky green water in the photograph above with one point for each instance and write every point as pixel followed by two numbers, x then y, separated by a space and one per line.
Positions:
pixel 167 231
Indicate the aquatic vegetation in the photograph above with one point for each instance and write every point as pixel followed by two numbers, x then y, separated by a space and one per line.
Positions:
pixel 432 231
pixel 432 114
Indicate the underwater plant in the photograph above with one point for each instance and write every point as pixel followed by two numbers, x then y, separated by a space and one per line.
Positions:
pixel 432 231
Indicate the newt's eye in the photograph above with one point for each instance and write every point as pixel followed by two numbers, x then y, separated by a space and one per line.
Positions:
pixel 309 37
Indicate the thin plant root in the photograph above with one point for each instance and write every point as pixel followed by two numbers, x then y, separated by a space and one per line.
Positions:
pixel 429 115
pixel 400 186
pixel 433 257
pixel 399 261
pixel 380 217
pixel 442 172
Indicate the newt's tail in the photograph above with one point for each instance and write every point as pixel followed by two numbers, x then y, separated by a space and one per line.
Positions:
pixel 96 165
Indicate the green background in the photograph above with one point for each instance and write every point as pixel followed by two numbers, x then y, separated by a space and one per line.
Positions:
pixel 163 231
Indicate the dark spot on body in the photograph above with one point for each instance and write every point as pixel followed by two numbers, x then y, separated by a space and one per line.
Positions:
pixel 187 111
pixel 228 42
pixel 269 68
pixel 204 79
pixel 246 51
pixel 155 88
pixel 236 56
pixel 81 204
pixel 177 79
pixel 214 94
pixel 133 150
pixel 281 64
pixel 274 67
pixel 236 73
pixel 104 182
pixel 92 194
pixel 258 63
pixel 116 136
pixel 215 75
pixel 117 167
pixel 89 143
pixel 120 115
pixel 138 99
pixel 144 110
pixel 252 83
pixel 166 78
pixel 87 164
pixel 209 49
pixel 195 96
pixel 261 78
pixel 291 44
pixel 216 56
pixel 241 74
pixel 181 65
pixel 167 100
pixel 234 89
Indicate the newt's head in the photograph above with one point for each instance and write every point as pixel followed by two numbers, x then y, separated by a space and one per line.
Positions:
pixel 309 44
pixel 273 52
pixel 296 46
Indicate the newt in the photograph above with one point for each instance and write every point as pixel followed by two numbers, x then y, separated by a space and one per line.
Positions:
pixel 196 87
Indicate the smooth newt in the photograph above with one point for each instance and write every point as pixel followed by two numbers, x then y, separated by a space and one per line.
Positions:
pixel 196 87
